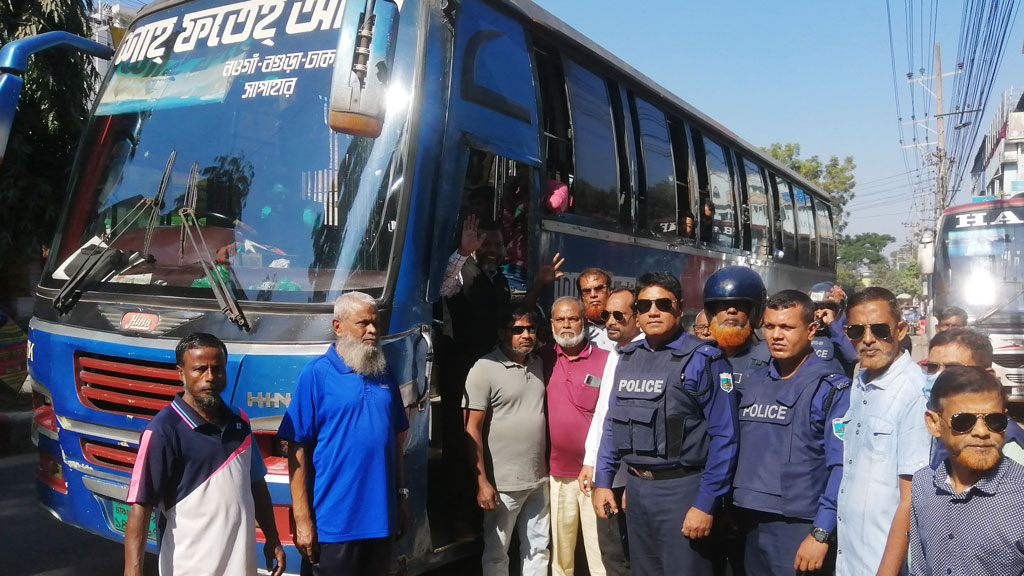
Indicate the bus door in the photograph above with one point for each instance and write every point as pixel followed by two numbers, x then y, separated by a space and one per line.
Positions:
pixel 489 167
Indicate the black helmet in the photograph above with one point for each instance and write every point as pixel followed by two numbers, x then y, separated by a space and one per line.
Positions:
pixel 737 283
pixel 829 293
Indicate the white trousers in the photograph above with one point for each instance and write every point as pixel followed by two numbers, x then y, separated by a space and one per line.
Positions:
pixel 528 511
pixel 571 508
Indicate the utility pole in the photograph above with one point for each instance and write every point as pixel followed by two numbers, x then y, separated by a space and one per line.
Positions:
pixel 940 124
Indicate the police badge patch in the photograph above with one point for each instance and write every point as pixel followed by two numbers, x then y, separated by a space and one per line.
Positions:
pixel 838 427
pixel 725 380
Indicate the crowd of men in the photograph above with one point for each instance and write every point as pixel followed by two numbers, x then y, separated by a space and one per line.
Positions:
pixel 821 448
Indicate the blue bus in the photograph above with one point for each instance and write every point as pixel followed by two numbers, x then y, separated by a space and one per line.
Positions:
pixel 246 162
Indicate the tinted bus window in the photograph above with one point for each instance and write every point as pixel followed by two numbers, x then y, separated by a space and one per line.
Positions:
pixel 825 234
pixel 784 215
pixel 595 190
pixel 656 151
pixel 681 162
pixel 805 228
pixel 720 194
pixel 757 204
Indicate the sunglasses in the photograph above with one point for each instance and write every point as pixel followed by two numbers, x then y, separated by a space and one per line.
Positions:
pixel 932 368
pixel 663 304
pixel 881 330
pixel 517 330
pixel 963 422
pixel 619 316
pixel 596 289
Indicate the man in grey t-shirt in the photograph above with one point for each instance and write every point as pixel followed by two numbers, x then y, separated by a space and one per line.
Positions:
pixel 505 422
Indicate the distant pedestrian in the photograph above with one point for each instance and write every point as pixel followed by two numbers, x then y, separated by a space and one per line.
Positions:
pixel 966 514
pixel 345 428
pixel 507 429
pixel 950 317
pixel 199 465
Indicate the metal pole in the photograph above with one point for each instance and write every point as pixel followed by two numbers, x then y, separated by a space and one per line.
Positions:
pixel 940 120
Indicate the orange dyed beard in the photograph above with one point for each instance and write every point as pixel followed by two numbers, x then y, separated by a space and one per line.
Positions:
pixel 730 336
pixel 593 313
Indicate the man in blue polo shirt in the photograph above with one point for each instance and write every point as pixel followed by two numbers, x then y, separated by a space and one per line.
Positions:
pixel 198 464
pixel 347 421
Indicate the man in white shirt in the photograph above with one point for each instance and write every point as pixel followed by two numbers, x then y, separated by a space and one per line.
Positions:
pixel 885 440
pixel 620 323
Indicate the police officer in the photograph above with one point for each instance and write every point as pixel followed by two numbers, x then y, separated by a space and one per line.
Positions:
pixel 791 447
pixel 830 343
pixel 672 422
pixel 734 302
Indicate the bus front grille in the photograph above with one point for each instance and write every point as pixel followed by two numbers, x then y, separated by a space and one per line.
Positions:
pixel 132 387
pixel 110 455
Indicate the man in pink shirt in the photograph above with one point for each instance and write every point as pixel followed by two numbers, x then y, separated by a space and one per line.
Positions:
pixel 572 371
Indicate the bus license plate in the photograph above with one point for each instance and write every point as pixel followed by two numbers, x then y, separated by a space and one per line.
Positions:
pixel 119 515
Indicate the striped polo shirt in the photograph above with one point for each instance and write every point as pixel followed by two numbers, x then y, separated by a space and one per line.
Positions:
pixel 200 477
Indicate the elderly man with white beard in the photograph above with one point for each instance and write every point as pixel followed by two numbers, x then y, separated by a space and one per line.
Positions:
pixel 346 415
pixel 573 366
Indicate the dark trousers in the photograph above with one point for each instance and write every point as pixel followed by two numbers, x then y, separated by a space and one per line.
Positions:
pixel 655 510
pixel 611 537
pixel 772 542
pixel 369 557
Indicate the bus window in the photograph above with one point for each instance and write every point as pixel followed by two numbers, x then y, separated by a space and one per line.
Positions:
pixel 805 228
pixel 826 237
pixel 682 161
pixel 719 192
pixel 659 209
pixel 595 189
pixel 786 219
pixel 757 206
pixel 557 143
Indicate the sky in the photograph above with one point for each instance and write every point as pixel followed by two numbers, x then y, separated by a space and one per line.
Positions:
pixel 817 73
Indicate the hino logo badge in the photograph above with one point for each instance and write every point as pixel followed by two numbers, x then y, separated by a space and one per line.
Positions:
pixel 139 321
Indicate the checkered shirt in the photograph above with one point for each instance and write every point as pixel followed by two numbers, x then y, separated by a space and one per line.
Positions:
pixel 979 531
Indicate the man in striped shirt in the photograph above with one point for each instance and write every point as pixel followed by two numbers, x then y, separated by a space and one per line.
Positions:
pixel 198 463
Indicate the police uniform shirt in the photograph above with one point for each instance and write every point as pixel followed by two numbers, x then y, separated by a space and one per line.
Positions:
pixel 706 379
pixel 791 442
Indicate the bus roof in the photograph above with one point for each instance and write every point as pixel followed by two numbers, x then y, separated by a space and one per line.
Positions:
pixel 569 35
pixel 986 205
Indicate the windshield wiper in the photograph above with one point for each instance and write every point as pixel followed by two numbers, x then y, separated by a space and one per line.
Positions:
pixel 988 314
pixel 103 261
pixel 191 230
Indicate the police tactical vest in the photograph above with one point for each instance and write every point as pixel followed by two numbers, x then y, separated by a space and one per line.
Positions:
pixel 656 423
pixel 782 452
pixel 747 362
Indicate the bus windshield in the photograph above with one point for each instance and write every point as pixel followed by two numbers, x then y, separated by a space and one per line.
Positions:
pixel 236 95
pixel 983 274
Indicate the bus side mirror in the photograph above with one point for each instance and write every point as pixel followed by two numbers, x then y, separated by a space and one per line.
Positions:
pixel 362 68
pixel 926 253
pixel 10 88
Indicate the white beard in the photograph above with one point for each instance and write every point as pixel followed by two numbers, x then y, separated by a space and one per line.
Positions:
pixel 365 359
pixel 568 342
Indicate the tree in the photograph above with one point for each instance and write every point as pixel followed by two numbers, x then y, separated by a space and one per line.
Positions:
pixel 898 281
pixel 51 112
pixel 834 177
pixel 864 250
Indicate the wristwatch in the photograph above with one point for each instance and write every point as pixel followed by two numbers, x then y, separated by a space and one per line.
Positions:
pixel 820 534
pixel 404 493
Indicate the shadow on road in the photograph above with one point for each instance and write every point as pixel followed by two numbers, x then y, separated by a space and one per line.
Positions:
pixel 37 544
